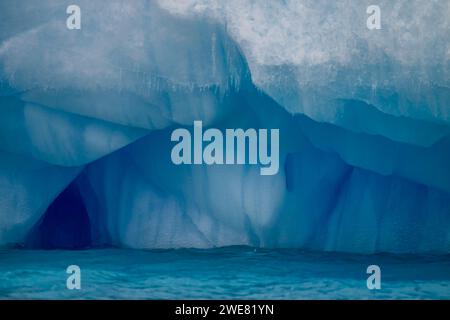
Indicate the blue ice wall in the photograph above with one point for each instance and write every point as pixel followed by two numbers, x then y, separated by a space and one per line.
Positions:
pixel 363 119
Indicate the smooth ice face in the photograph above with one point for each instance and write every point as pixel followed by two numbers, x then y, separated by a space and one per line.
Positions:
pixel 363 118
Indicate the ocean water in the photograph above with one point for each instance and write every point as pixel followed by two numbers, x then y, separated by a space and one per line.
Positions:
pixel 226 273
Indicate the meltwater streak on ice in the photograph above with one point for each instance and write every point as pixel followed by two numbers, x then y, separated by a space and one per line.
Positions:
pixel 227 273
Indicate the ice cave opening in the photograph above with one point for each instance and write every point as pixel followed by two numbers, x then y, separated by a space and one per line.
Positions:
pixel 65 224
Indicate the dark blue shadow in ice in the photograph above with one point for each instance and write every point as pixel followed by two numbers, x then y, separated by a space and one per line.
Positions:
pixel 65 224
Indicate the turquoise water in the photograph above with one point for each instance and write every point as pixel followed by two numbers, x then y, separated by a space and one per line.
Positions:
pixel 228 273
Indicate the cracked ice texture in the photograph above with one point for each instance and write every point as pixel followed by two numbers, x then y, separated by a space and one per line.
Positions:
pixel 313 56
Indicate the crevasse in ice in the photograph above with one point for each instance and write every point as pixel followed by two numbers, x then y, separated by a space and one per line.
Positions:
pixel 363 115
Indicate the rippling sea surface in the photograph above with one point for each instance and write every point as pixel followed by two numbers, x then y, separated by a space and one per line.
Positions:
pixel 227 273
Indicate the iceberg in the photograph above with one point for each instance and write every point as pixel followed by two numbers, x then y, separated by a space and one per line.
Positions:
pixel 86 118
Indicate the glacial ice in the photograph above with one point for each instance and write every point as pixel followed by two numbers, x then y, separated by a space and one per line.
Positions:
pixel 363 116
pixel 314 56
pixel 27 187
